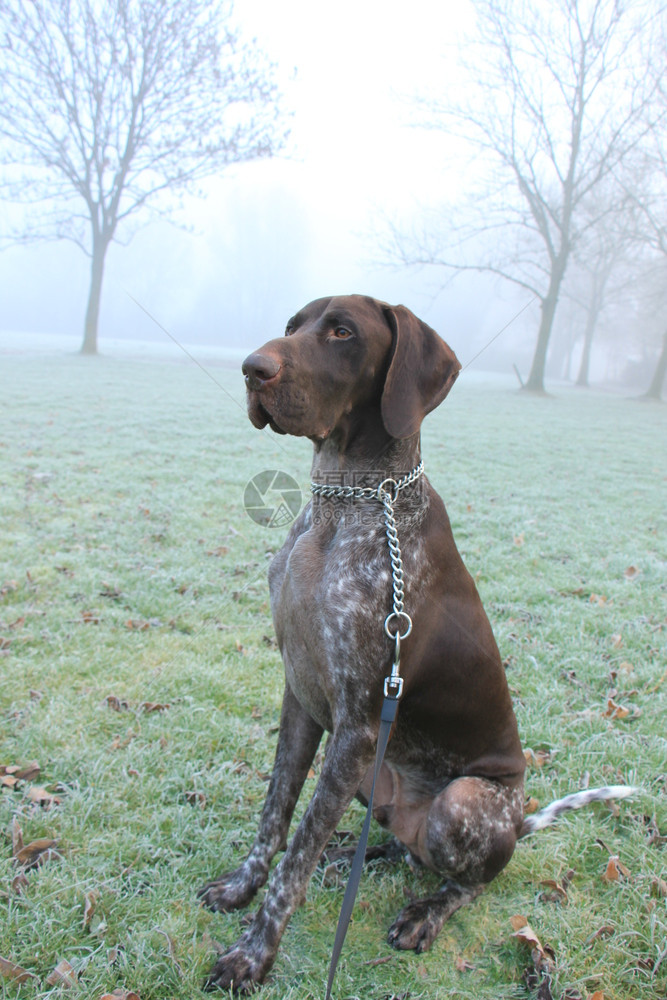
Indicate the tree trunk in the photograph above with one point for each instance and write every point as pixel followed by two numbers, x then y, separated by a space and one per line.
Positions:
pixel 582 377
pixel 535 381
pixel 655 389
pixel 89 345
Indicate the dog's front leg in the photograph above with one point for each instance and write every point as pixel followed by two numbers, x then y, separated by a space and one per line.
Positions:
pixel 298 740
pixel 349 755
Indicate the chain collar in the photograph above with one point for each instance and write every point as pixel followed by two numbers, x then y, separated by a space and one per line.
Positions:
pixel 387 493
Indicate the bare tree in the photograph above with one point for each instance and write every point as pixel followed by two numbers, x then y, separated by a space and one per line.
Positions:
pixel 646 188
pixel 105 107
pixel 554 99
pixel 604 266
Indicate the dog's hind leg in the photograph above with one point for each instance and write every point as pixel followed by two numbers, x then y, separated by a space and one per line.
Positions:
pixel 468 836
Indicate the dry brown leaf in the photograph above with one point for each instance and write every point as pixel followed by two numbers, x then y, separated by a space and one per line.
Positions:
pixel 602 932
pixel 196 799
pixel 17 837
pixel 598 995
pixel 658 887
pixel 615 868
pixel 617 641
pixel 120 994
pixel 614 711
pixel 557 894
pixel 537 758
pixel 41 797
pixel 19 883
pixel 599 599
pixel 63 975
pixel 630 572
pixel 543 957
pixel 153 706
pixel 463 965
pixel 531 806
pixel 519 539
pixel 89 906
pixel 10 970
pixel 115 704
pixel 28 773
pixel 8 780
pixel 36 853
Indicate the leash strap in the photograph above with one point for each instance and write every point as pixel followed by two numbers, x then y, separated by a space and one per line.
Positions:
pixel 387 717
pixel 387 493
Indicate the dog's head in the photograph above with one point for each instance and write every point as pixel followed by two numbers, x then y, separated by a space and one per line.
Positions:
pixel 344 359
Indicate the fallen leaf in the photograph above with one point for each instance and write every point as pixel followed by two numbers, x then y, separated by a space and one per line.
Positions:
pixel 537 758
pixel 89 906
pixel 36 853
pixel 196 799
pixel 602 932
pixel 90 618
pixel 617 641
pixel 658 887
pixel 62 975
pixel 558 893
pixel 598 995
pixel 115 704
pixel 29 773
pixel 597 599
pixel 463 965
pixel 615 868
pixel 519 539
pixel 615 711
pixel 531 806
pixel 19 883
pixel 41 797
pixel 9 970
pixel 543 956
pixel 153 706
pixel 17 837
pixel 630 572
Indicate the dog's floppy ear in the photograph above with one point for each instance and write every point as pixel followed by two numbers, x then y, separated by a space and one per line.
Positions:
pixel 422 370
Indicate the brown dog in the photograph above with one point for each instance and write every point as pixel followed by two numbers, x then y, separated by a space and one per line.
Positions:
pixel 357 377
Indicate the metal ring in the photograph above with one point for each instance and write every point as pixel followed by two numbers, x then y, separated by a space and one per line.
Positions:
pixel 381 489
pixel 398 614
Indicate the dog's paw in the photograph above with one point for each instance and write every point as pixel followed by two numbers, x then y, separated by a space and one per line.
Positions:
pixel 235 970
pixel 415 928
pixel 229 892
pixel 419 923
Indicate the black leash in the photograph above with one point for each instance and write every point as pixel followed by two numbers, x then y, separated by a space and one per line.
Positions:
pixel 387 717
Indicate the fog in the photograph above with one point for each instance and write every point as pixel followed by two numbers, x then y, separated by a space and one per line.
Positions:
pixel 227 268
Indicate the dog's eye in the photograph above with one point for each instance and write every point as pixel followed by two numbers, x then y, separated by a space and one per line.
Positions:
pixel 341 333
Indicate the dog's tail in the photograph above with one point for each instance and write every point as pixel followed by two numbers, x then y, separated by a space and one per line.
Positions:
pixel 548 815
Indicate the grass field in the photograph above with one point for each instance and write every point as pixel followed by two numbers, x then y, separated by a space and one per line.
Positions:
pixel 139 672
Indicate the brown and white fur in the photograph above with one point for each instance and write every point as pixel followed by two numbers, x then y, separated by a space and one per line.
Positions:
pixel 357 377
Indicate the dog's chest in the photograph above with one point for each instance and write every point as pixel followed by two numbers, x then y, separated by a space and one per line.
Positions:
pixel 331 592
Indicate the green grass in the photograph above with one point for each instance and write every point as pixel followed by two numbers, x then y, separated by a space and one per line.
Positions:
pixel 128 568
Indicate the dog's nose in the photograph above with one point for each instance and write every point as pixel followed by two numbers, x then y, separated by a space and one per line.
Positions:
pixel 258 369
